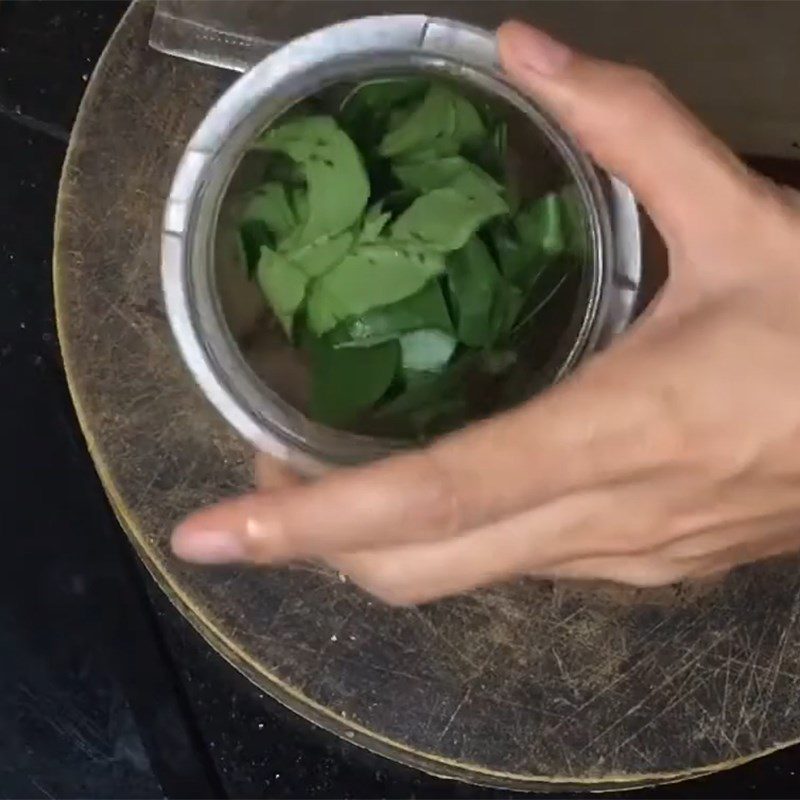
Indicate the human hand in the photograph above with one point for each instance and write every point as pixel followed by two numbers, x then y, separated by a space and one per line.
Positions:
pixel 674 454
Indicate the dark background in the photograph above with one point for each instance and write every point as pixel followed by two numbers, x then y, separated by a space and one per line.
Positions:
pixel 105 691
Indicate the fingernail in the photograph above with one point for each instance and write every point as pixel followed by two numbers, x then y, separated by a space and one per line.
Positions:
pixel 208 547
pixel 538 51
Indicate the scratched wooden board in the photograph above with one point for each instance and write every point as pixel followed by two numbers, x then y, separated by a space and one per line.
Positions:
pixel 526 685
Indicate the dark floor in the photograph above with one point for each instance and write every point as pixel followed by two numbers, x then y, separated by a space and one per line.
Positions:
pixel 104 690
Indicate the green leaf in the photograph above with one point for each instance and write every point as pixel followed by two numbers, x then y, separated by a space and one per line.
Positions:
pixel 440 125
pixel 532 240
pixel 425 176
pixel 469 128
pixel 398 117
pixel 425 309
pixel 345 382
pixel 473 280
pixel 573 221
pixel 370 276
pixel 382 95
pixel 487 305
pixel 298 197
pixel 253 235
pixel 480 187
pixel 438 173
pixel 433 120
pixel 337 183
pixel 270 204
pixel 324 311
pixel 518 263
pixel 280 168
pixel 445 218
pixel 421 389
pixel 283 284
pixel 365 112
pixel 316 258
pixel 540 226
pixel 426 350
pixel 375 220
pixel 490 154
pixel 430 400
pixel 366 285
pixel 506 305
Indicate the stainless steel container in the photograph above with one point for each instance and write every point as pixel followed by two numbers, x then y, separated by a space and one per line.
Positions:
pixel 357 50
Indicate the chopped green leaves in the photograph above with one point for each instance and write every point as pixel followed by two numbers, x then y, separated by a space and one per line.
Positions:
pixel 473 279
pixel 375 221
pixel 468 127
pixel 382 96
pixel 445 218
pixel 429 127
pixel 426 350
pixel 253 235
pixel 516 262
pixel 270 204
pixel 346 381
pixel 366 109
pixel 387 238
pixel 337 183
pixel 440 172
pixel 486 304
pixel 283 285
pixel 540 226
pixel 426 309
pixel 373 275
pixel 316 258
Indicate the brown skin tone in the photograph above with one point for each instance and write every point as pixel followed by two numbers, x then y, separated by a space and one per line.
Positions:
pixel 673 455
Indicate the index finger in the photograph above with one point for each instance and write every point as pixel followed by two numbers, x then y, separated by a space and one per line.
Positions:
pixel 690 182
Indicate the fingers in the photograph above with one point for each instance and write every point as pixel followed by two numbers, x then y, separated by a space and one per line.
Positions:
pixel 218 545
pixel 418 573
pixel 584 434
pixel 401 498
pixel 567 540
pixel 687 179
pixel 603 427
pixel 635 570
pixel 533 542
pixel 272 474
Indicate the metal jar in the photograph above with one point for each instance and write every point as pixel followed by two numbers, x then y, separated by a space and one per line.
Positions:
pixel 357 50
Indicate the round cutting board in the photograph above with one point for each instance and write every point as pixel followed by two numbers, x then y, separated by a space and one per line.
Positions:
pixel 528 685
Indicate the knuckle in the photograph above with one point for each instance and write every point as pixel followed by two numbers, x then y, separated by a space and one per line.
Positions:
pixel 665 433
pixel 651 89
pixel 639 86
pixel 446 505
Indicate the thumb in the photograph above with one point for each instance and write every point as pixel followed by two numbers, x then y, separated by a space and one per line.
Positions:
pixel 633 127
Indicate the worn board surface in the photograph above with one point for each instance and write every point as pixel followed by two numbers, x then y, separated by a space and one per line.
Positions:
pixel 521 685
